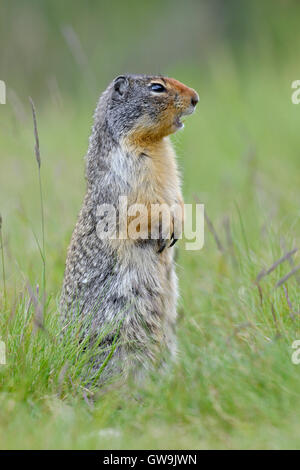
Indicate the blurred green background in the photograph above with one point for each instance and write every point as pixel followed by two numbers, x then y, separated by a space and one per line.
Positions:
pixel 241 57
pixel 234 385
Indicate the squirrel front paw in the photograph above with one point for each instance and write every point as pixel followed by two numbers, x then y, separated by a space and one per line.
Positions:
pixel 168 238
pixel 160 222
pixel 162 243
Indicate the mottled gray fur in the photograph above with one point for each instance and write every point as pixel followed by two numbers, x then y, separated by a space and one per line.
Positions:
pixel 135 292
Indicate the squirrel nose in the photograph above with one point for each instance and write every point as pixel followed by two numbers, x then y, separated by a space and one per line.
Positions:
pixel 194 99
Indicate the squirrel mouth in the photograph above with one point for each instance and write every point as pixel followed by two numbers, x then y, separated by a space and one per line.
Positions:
pixel 178 123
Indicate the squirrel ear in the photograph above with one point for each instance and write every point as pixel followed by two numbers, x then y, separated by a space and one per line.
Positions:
pixel 120 85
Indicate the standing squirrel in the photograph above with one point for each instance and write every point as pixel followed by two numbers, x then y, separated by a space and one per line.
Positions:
pixel 128 287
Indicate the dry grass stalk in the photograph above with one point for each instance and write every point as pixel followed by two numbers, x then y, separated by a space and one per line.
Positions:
pixel 292 311
pixel 287 276
pixel 278 335
pixel 211 228
pixel 242 326
pixel 36 135
pixel 264 273
pixel 39 310
pixel 3 264
pixel 260 292
pixel 292 264
pixel 61 377
pixel 230 241
pixel 38 159
pixel 80 57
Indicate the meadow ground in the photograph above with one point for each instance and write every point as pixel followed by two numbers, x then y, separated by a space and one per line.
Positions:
pixel 234 385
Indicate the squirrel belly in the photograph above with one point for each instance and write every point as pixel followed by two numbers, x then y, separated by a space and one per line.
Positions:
pixel 126 288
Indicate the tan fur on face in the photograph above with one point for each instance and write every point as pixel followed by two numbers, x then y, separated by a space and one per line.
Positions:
pixel 148 131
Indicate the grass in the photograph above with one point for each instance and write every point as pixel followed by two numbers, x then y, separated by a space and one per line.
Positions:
pixel 234 385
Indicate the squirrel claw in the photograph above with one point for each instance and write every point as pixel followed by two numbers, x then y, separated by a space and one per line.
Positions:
pixel 162 245
pixel 173 241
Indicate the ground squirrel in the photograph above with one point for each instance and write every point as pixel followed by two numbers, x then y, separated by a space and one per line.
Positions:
pixel 128 283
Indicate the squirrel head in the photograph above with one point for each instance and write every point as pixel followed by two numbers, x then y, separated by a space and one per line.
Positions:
pixel 145 108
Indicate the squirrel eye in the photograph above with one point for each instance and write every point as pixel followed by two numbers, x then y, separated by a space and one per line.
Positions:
pixel 157 87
